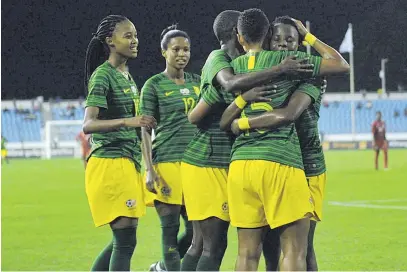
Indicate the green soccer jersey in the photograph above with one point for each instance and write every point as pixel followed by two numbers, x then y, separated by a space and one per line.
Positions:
pixel 116 97
pixel 278 145
pixel 170 104
pixel 308 134
pixel 210 146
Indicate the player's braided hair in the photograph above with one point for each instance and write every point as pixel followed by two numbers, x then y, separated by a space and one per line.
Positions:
pixel 171 32
pixel 224 24
pixel 98 50
pixel 253 25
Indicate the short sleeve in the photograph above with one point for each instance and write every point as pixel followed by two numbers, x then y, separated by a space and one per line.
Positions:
pixel 210 95
pixel 216 62
pixel 98 88
pixel 148 100
pixel 311 90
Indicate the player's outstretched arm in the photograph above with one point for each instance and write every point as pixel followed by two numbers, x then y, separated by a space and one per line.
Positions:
pixel 91 123
pixel 243 82
pixel 299 101
pixel 332 61
pixel 235 109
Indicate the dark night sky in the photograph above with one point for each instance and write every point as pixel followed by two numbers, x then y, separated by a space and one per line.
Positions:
pixel 44 42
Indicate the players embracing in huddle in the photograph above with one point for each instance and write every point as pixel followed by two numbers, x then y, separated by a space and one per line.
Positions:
pixel 254 158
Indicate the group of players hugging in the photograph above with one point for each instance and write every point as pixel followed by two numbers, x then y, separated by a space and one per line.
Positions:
pixel 238 144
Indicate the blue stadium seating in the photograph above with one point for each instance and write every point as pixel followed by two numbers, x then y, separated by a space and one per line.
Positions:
pixel 335 119
pixel 21 127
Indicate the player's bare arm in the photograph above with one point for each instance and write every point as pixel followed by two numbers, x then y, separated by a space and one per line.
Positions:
pixel 201 110
pixel 298 102
pixel 92 124
pixel 146 149
pixel 332 61
pixel 243 82
pixel 235 109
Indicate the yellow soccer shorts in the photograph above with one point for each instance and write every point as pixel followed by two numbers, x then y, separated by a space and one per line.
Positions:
pixel 169 191
pixel 205 192
pixel 4 153
pixel 114 188
pixel 264 193
pixel 317 188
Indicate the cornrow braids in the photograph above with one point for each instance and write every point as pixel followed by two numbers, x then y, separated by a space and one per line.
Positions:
pixel 98 50
pixel 171 32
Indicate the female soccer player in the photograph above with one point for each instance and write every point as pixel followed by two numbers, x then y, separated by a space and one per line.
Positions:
pixel 379 139
pixel 113 183
pixel 168 97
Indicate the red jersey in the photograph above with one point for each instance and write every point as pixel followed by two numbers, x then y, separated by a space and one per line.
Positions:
pixel 379 130
pixel 84 139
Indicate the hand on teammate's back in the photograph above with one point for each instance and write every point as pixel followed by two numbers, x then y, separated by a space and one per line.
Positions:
pixel 259 94
pixel 141 121
pixel 293 66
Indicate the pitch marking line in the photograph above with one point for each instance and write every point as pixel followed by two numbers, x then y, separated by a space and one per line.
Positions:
pixel 365 204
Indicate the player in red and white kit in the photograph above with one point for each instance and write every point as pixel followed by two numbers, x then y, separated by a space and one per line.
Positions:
pixel 379 139
pixel 85 143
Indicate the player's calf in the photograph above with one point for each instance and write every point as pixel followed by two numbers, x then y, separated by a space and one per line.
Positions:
pixel 272 250
pixel 311 257
pixel 192 256
pixel 294 242
pixel 214 232
pixel 169 218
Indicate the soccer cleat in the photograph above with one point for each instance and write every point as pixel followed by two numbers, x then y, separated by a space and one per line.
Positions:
pixel 156 267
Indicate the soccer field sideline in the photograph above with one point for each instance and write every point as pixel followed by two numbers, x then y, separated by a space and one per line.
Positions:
pixel 46 220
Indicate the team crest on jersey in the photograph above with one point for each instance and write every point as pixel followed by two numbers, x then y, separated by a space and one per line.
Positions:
pixel 165 191
pixel 225 207
pixel 130 203
pixel 185 91
pixel 196 90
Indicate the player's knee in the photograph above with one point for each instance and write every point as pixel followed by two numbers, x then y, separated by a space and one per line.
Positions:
pixel 196 248
pixel 125 240
pixel 124 223
pixel 250 252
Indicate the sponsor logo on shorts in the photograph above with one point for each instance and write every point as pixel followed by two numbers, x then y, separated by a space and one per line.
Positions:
pixel 131 203
pixel 165 191
pixel 225 207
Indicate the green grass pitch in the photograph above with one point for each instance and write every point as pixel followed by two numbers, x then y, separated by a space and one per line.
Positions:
pixel 46 223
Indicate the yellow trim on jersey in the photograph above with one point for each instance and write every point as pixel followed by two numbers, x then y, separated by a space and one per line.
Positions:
pixel 251 62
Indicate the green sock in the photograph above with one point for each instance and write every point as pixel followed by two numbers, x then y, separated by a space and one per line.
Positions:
pixel 189 262
pixel 170 228
pixel 103 260
pixel 208 264
pixel 124 243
